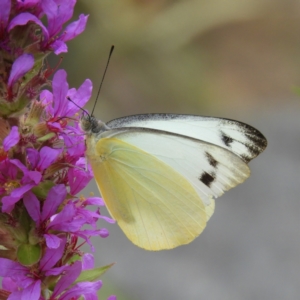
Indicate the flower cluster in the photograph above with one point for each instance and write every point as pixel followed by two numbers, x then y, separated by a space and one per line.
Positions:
pixel 42 161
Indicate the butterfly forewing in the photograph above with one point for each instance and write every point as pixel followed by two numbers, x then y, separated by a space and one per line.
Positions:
pixel 242 139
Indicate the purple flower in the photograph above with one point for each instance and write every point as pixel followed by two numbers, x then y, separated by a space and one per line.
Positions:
pixel 78 176
pixel 55 197
pixel 25 283
pixel 12 187
pixel 51 257
pixel 70 32
pixel 70 274
pixel 59 111
pixel 12 139
pixel 82 203
pixel 33 5
pixel 88 289
pixel 61 107
pixel 20 67
pixel 24 18
pixel 41 160
pixel 18 282
pixel 70 219
pixel 88 261
pixel 5 6
pixel 58 13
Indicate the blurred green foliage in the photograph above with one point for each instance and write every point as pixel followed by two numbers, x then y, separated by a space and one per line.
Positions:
pixel 188 56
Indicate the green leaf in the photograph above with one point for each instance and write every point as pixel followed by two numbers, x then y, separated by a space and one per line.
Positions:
pixel 9 108
pixel 74 258
pixel 94 274
pixel 46 137
pixel 28 254
pixel 24 219
pixel 42 190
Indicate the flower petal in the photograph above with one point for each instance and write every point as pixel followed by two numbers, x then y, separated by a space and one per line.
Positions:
pixel 20 67
pixel 87 289
pixel 10 268
pixel 78 179
pixel 8 169
pixel 5 6
pixel 12 139
pixel 8 284
pixel 46 97
pixel 23 18
pixel 33 157
pixel 32 177
pixel 52 256
pixel 33 206
pixel 59 46
pixel 47 157
pixel 56 271
pixel 60 90
pixel 75 28
pixel 74 144
pixel 88 261
pixel 70 275
pixel 18 164
pixel 52 241
pixel 57 14
pixel 94 201
pixel 8 202
pixel 33 291
pixel 55 197
pixel 80 97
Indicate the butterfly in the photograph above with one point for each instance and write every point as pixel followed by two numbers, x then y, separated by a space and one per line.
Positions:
pixel 160 173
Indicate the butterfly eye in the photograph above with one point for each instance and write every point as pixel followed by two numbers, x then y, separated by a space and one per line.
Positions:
pixel 86 123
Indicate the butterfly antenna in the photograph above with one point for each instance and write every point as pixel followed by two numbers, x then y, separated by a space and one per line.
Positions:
pixel 78 106
pixel 109 56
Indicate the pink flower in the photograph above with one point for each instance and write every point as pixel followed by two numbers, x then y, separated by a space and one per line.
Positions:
pixel 12 139
pixel 59 105
pixel 14 186
pixel 58 13
pixel 42 159
pixel 5 6
pixel 25 283
pixel 21 66
pixel 78 176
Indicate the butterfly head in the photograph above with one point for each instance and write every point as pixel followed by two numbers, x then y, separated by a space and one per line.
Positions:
pixel 90 125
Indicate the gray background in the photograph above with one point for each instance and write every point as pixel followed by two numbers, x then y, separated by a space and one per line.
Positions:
pixel 234 59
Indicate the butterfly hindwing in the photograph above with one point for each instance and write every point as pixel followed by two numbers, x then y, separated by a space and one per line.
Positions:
pixel 154 205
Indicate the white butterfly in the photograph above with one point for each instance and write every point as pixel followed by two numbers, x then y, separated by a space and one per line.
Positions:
pixel 159 173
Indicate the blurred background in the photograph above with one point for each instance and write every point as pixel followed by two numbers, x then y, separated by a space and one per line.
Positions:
pixel 235 59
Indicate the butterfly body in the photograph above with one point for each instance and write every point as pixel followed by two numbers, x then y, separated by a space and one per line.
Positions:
pixel 159 173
